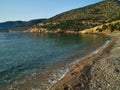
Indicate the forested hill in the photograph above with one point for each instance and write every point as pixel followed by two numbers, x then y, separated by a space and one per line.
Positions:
pixel 106 10
pixel 83 18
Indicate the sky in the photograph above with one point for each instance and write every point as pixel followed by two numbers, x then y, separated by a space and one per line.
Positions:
pixel 12 10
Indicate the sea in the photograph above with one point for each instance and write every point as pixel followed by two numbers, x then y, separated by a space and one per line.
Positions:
pixel 36 61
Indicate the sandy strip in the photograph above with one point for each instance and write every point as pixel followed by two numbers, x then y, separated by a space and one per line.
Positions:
pixel 99 71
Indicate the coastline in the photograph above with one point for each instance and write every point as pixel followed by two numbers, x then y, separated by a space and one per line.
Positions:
pixel 79 75
pixel 44 80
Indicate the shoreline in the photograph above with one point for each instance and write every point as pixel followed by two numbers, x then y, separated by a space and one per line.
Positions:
pixel 81 69
pixel 35 80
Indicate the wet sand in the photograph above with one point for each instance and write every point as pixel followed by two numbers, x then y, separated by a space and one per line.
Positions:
pixel 101 71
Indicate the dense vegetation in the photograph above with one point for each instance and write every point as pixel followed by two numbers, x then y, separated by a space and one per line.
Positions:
pixel 75 25
pixel 86 17
pixel 106 10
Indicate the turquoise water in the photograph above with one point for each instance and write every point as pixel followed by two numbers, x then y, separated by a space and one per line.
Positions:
pixel 22 53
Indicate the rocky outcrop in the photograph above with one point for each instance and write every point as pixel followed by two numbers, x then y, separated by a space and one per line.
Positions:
pixel 40 30
pixel 94 30
pixel 100 29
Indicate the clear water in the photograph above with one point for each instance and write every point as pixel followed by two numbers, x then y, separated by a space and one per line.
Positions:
pixel 23 53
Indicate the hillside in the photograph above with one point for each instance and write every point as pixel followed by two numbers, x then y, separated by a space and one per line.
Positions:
pixel 18 25
pixel 110 27
pixel 83 18
pixel 106 10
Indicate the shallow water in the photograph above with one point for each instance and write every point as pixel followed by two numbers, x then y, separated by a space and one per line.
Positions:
pixel 24 55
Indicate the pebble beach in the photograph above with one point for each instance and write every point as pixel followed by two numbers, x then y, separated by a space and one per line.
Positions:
pixel 101 71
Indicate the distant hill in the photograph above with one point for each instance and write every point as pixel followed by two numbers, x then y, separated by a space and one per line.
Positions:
pixel 5 26
pixel 18 25
pixel 26 25
pixel 85 17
